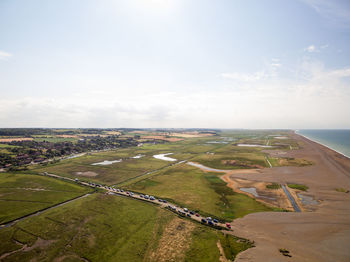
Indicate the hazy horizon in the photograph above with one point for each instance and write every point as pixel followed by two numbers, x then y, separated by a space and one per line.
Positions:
pixel 175 64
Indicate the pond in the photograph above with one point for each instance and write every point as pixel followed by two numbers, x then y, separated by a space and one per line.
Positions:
pixel 254 145
pixel 307 200
pixel 107 162
pixel 164 157
pixel 251 190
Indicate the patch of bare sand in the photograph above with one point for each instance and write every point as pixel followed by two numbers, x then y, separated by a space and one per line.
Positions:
pixel 222 253
pixel 86 174
pixel 175 241
pixel 321 235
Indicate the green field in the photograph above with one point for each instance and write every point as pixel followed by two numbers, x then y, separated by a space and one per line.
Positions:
pixel 111 228
pixel 129 167
pixel 190 187
pixel 222 155
pixel 22 194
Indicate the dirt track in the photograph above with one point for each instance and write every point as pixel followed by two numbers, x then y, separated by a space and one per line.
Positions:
pixel 321 235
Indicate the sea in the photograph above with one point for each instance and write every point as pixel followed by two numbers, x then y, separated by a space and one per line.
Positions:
pixel 336 139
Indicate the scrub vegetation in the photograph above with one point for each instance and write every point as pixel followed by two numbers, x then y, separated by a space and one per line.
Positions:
pixel 298 186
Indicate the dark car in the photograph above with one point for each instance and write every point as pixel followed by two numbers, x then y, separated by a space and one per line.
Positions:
pixel 215 220
pixel 188 215
pixel 203 221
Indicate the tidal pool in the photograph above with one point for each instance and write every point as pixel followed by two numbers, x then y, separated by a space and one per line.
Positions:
pixel 307 200
pixel 107 162
pixel 251 190
pixel 138 156
pixel 253 145
pixel 164 157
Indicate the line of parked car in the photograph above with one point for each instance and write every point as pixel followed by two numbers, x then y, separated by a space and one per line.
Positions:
pixel 181 211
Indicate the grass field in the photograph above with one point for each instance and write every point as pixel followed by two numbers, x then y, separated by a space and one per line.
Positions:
pixel 109 174
pixel 190 187
pixel 22 194
pixel 129 167
pixel 216 155
pixel 111 228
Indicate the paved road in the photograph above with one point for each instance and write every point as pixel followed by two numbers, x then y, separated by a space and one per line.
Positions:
pixel 291 199
pixel 169 206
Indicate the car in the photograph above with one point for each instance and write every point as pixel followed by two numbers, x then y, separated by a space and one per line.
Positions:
pixel 164 201
pixel 197 215
pixel 228 225
pixel 141 195
pixel 215 220
pixel 121 190
pixel 151 198
pixel 203 221
pixel 160 200
pixel 185 209
pixel 188 215
pixel 191 212
pixel 210 223
pixel 209 218
pixel 146 196
pixel 118 190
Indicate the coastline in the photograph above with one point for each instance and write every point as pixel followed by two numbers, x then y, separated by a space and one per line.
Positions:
pixel 318 142
pixel 324 226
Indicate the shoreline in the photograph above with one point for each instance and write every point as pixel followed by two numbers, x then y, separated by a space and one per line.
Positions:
pixel 295 132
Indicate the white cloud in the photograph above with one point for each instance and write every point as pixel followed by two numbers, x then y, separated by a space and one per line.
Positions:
pixel 4 55
pixel 276 64
pixel 311 48
pixel 245 77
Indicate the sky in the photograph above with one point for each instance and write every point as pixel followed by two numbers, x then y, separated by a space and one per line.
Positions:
pixel 175 63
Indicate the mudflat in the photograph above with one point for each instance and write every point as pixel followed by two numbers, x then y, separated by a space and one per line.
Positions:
pixel 322 231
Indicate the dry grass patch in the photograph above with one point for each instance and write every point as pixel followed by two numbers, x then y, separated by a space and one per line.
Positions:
pixel 174 242
pixel 86 174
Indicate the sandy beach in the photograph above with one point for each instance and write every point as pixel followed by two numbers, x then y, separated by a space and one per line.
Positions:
pixel 322 234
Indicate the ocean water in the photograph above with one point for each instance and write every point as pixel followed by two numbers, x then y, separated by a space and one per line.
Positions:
pixel 336 139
